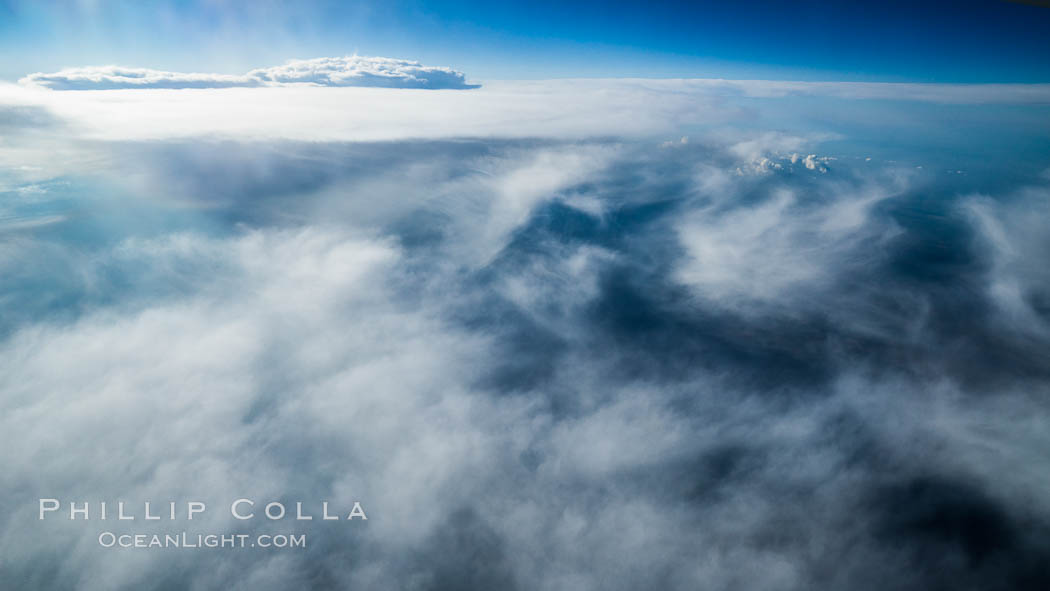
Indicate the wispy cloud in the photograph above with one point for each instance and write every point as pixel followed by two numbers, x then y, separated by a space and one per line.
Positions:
pixel 551 355
pixel 464 335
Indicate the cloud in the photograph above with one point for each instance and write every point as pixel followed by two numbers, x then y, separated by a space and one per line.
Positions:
pixel 542 351
pixel 16 118
pixel 563 109
pixel 936 93
pixel 362 71
pixel 765 251
pixel 298 112
pixel 326 71
pixel 1011 233
pixel 512 374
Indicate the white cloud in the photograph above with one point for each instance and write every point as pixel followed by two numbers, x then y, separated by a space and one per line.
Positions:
pixel 936 93
pixel 1014 235
pixel 766 144
pixel 113 77
pixel 550 109
pixel 289 102
pixel 361 71
pixel 326 71
pixel 331 321
pixel 773 151
pixel 180 372
pixel 779 251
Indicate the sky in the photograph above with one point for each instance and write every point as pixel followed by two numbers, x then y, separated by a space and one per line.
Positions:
pixel 988 41
pixel 568 297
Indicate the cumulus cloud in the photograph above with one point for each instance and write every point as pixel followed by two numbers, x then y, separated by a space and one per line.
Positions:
pixel 361 71
pixel 326 71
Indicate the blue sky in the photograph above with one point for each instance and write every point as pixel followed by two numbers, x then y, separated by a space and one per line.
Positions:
pixel 879 41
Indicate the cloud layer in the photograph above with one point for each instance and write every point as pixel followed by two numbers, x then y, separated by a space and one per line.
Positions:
pixel 576 359
pixel 326 71
pixel 566 109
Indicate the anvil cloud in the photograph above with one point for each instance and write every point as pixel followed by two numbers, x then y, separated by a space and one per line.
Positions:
pixel 326 71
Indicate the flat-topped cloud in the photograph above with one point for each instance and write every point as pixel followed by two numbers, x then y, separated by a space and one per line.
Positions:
pixel 361 71
pixel 353 70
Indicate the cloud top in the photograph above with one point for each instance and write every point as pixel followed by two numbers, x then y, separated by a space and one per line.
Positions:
pixel 353 70
pixel 361 71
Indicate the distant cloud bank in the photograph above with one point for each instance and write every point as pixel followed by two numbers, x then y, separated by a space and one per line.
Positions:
pixel 325 71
